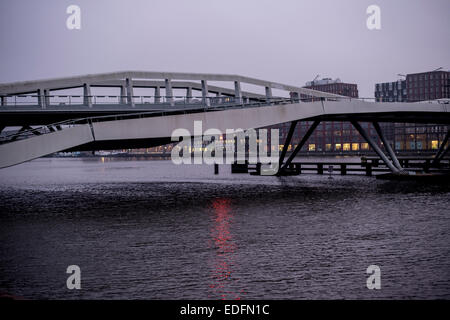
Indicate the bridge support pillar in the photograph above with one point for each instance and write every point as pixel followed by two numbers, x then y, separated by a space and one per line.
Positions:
pixel 301 144
pixel 157 94
pixel 41 98
pixel 129 86
pixel 189 95
pixel 374 146
pixel 268 94
pixel 169 92
pixel 387 146
pixel 123 95
pixel 287 142
pixel 47 97
pixel 87 98
pixel 205 97
pixel 442 151
pixel 237 92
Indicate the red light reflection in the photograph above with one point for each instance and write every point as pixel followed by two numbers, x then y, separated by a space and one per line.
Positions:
pixel 223 282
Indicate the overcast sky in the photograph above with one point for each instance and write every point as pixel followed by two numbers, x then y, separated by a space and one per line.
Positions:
pixel 288 41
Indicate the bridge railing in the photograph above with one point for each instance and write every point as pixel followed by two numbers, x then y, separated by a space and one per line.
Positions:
pixel 215 104
pixel 79 100
pixel 145 100
pixel 199 104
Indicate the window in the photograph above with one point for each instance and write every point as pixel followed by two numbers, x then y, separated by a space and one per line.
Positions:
pixel 346 147
pixel 434 144
pixel 338 146
pixel 419 145
pixel 328 147
pixel 364 146
pixel 312 147
pixel 355 146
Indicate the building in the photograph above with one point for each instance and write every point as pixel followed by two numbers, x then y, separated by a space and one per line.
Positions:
pixel 391 91
pixel 334 86
pixel 330 137
pixel 428 85
pixel 410 137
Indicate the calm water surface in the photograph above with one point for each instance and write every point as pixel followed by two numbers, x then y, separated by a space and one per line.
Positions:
pixel 153 230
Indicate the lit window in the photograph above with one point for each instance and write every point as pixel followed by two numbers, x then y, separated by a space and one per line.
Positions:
pixel 434 144
pixel 346 146
pixel 338 146
pixel 365 146
pixel 328 147
pixel 355 146
pixel 312 147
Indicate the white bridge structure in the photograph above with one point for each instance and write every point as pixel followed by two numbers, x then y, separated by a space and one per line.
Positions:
pixel 53 122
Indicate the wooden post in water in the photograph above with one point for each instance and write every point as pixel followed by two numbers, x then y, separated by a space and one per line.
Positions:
pixel 320 168
pixel 368 169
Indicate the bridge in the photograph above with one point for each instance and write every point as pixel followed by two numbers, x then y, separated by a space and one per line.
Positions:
pixel 53 122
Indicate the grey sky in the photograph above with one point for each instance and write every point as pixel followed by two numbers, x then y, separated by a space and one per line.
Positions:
pixel 288 41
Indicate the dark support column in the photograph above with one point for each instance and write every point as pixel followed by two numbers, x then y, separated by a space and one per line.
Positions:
pixel 288 140
pixel 387 146
pixel 301 144
pixel 444 153
pixel 442 150
pixel 368 169
pixel 320 168
pixel 374 146
pixel 2 127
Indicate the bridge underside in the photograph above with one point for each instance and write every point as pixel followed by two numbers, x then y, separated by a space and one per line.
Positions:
pixel 120 144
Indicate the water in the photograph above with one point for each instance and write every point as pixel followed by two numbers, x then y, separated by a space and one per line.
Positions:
pixel 153 230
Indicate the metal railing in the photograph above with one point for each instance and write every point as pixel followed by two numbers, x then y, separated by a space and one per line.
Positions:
pixel 196 104
pixel 98 100
pixel 203 107
pixel 80 100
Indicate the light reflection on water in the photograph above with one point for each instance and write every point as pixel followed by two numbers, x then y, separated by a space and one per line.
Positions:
pixel 225 246
pixel 152 230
